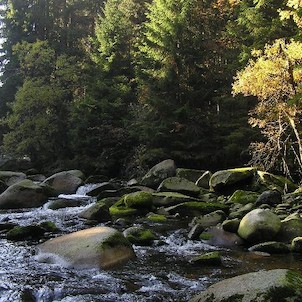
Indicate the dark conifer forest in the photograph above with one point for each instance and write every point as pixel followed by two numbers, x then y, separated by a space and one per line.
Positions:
pixel 114 87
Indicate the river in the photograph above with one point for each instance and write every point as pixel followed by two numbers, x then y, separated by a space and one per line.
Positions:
pixel 162 272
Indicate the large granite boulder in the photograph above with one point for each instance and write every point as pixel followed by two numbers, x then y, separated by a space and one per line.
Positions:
pixel 259 225
pixel 280 285
pixel 24 194
pixel 9 178
pixel 65 182
pixel 180 185
pixel 98 247
pixel 226 181
pixel 158 173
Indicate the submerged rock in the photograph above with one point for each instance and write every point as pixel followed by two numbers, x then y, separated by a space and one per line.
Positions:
pixel 211 258
pixel 270 286
pixel 24 194
pixel 271 247
pixel 158 173
pixel 98 247
pixel 259 225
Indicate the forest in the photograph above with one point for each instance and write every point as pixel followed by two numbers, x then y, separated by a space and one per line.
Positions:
pixel 114 87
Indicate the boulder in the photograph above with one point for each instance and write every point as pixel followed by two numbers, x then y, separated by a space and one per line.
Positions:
pixel 158 173
pixel 98 212
pixel 227 181
pixel 9 178
pixel 180 185
pixel 195 208
pixel 204 180
pixel 210 219
pixel 65 182
pixel 104 186
pixel 140 236
pixel 274 182
pixel 231 225
pixel 59 203
pixel 211 258
pixel 189 174
pixel 98 247
pixel 24 194
pixel 270 197
pixel 271 247
pixel 296 245
pixel 259 225
pixel 170 198
pixel 243 197
pixel 25 232
pixel 270 286
pixel 291 227
pixel 139 200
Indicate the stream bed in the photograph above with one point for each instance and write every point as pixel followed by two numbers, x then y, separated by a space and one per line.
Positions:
pixel 162 272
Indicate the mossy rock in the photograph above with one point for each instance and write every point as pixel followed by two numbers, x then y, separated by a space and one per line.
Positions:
pixel 157 217
pixel 170 198
pixel 280 285
pixel 20 233
pixel 139 200
pixel 196 208
pixel 291 227
pixel 211 258
pixel 180 185
pixel 275 182
pixel 210 219
pixel 119 209
pixel 140 236
pixel 227 181
pixel 231 225
pixel 243 197
pixel 60 203
pixel 49 226
pixel 259 225
pixel 296 245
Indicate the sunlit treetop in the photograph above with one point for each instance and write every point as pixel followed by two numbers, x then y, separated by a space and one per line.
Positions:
pixel 293 11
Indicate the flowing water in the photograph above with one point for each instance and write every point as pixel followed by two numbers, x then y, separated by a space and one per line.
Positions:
pixel 162 272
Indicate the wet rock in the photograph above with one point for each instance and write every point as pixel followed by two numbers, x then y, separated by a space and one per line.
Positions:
pixel 218 237
pixel 195 231
pixel 65 182
pixel 98 212
pixel 226 181
pixel 139 200
pixel 270 286
pixel 158 173
pixel 59 203
pixel 272 247
pixel 98 247
pixel 180 185
pixel 259 226
pixel 243 197
pixel 19 233
pixel 211 258
pixel 270 197
pixel 24 194
pixel 140 236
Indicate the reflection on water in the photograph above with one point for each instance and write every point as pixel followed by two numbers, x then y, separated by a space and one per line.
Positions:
pixel 159 273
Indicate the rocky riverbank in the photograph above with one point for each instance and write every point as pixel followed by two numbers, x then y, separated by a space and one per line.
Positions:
pixel 238 208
